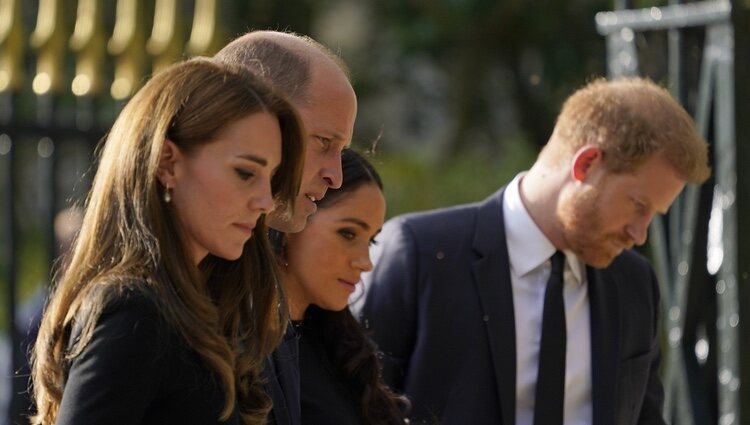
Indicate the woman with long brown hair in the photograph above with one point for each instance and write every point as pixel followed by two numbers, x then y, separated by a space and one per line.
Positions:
pixel 170 303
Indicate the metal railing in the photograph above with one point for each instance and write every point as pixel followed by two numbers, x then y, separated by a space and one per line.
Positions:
pixel 58 98
pixel 64 75
pixel 698 247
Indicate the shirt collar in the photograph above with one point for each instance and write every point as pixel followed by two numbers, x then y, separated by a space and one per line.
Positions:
pixel 528 247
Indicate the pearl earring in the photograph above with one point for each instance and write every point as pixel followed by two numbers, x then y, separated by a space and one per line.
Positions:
pixel 167 195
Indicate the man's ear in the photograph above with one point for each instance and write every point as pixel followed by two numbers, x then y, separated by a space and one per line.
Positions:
pixel 584 160
pixel 170 155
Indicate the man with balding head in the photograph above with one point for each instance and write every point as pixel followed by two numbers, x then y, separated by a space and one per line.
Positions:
pixel 317 83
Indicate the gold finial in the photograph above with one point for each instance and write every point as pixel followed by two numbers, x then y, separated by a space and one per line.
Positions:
pixel 48 39
pixel 165 44
pixel 11 45
pixel 88 43
pixel 205 38
pixel 126 45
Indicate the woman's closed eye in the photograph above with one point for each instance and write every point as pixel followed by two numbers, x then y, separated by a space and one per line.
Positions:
pixel 244 174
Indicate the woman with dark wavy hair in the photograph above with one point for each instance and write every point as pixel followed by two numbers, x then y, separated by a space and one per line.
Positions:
pixel 169 304
pixel 339 368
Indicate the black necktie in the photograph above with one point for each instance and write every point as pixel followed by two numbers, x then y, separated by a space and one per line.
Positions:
pixel 550 384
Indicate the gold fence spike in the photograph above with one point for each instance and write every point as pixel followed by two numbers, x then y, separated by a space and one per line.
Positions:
pixel 165 44
pixel 11 45
pixel 205 36
pixel 126 45
pixel 88 43
pixel 48 39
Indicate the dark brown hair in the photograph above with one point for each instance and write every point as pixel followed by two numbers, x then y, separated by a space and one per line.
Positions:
pixel 350 350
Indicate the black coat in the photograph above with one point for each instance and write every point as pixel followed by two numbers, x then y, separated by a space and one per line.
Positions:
pixel 138 370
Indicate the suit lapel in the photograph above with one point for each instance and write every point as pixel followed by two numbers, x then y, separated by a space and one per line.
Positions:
pixel 283 380
pixel 279 414
pixel 491 272
pixel 605 340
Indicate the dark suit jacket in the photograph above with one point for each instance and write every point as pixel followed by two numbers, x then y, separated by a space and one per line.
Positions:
pixel 282 381
pixel 440 306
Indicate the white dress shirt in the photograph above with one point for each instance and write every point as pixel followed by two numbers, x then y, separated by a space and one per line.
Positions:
pixel 529 252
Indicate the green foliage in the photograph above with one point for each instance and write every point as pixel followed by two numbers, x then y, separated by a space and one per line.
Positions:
pixel 414 183
pixel 494 56
pixel 33 272
pixel 649 3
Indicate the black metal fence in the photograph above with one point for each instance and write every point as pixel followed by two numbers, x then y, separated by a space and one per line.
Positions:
pixel 701 51
pixel 63 77
pixel 52 116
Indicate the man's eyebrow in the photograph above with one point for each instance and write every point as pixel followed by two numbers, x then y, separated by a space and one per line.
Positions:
pixel 329 133
pixel 336 135
pixel 646 203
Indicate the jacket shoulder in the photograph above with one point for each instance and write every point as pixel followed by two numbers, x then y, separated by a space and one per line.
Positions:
pixel 450 219
pixel 631 263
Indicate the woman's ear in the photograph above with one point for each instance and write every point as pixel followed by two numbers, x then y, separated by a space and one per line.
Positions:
pixel 170 155
pixel 584 161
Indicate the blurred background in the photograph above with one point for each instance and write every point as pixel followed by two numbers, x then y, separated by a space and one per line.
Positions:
pixel 455 98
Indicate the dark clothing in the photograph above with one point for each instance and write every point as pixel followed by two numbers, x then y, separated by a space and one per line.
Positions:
pixel 326 399
pixel 440 306
pixel 138 370
pixel 302 382
pixel 282 381
pixel 281 372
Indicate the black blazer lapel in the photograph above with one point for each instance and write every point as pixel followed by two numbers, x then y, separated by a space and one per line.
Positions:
pixel 279 414
pixel 491 272
pixel 283 381
pixel 605 344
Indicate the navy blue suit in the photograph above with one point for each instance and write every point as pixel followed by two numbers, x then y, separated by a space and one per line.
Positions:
pixel 440 306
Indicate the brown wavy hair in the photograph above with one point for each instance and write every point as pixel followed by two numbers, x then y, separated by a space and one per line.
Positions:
pixel 129 240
